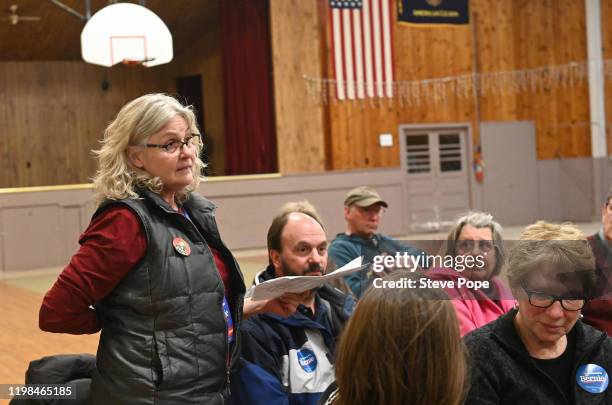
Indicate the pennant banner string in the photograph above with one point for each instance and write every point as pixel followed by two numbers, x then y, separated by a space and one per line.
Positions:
pixel 439 90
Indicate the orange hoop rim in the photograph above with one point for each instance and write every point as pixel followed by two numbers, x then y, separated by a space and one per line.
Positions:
pixel 133 62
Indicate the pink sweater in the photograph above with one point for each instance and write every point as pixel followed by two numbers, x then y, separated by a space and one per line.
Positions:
pixel 473 307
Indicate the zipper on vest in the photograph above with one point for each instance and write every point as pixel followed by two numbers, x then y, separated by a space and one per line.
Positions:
pixel 228 356
pixel 228 359
pixel 227 351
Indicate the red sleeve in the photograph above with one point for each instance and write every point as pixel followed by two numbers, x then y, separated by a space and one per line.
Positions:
pixel 223 270
pixel 111 246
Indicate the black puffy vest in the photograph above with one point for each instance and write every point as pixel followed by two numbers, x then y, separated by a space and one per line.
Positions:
pixel 164 335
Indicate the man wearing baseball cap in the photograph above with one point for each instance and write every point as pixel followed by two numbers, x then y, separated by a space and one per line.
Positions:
pixel 363 208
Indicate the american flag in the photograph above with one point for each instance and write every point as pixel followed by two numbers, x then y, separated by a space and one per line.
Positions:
pixel 362 48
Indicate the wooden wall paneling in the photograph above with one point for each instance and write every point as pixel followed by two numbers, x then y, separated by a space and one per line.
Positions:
pixel 25 127
pixel 506 53
pixel 376 121
pixel 562 107
pixel 204 58
pixel 514 28
pixel 449 56
pixel 574 105
pixel 426 52
pixel 495 52
pixel 214 112
pixel 529 53
pixel 539 53
pixel 419 53
pixel 339 137
pixel 356 143
pixel 480 50
pixel 353 138
pixel 522 34
pixel 61 102
pixel 510 35
pixel 355 130
pixel 296 52
pixel 58 113
pixel 386 122
pixel 5 133
pixel 545 138
pixel 606 38
pixel 325 55
pixel 572 101
pixel 606 8
pixel 380 120
pixel 574 43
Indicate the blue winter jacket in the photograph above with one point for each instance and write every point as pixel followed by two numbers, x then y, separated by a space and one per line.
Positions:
pixel 290 360
pixel 345 248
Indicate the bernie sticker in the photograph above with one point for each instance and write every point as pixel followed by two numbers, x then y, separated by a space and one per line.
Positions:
pixel 181 246
pixel 592 378
pixel 307 360
pixel 230 323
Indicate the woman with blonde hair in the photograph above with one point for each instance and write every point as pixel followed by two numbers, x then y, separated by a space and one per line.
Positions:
pixel 541 352
pixel 401 346
pixel 152 272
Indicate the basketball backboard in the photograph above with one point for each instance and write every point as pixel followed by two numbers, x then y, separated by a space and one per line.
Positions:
pixel 126 33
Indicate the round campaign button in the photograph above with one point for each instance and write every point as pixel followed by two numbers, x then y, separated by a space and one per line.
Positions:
pixel 592 378
pixel 181 246
pixel 307 360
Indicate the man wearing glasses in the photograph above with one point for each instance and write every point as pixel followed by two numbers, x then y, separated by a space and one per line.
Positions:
pixel 363 208
pixel 598 311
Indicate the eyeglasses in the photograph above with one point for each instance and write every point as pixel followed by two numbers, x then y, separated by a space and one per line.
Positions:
pixel 175 145
pixel 465 246
pixel 545 300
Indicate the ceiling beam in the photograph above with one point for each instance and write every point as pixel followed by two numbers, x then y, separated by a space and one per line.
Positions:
pixel 71 10
pixel 87 10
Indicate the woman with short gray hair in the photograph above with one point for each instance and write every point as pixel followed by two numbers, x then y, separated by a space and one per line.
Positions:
pixel 478 237
pixel 480 221
pixel 540 352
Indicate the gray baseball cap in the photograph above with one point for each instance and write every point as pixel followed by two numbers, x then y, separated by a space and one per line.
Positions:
pixel 363 197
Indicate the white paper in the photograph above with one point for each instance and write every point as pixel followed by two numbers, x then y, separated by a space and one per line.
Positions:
pixel 296 284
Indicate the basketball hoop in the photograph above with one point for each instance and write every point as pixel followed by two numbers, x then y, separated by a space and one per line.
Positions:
pixel 135 62
pixel 132 62
pixel 126 33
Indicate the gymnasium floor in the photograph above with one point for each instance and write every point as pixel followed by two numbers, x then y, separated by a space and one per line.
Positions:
pixel 20 296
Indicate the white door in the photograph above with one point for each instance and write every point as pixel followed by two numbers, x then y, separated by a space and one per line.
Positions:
pixel 437 183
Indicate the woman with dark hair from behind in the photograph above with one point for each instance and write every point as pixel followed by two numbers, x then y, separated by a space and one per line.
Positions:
pixel 401 346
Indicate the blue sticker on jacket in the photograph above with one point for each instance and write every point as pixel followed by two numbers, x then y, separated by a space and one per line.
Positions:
pixel 230 322
pixel 592 378
pixel 307 360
